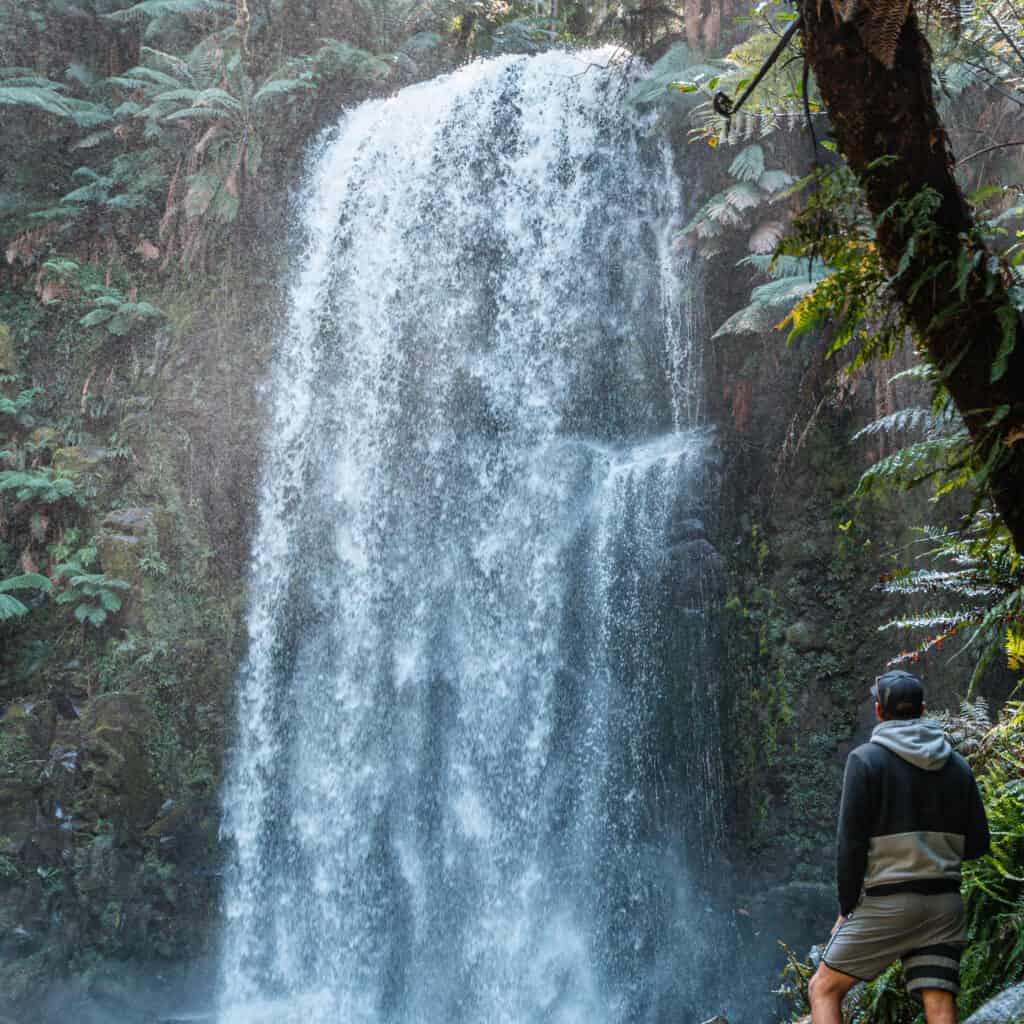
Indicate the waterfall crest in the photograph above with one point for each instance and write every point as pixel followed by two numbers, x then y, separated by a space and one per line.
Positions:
pixel 477 775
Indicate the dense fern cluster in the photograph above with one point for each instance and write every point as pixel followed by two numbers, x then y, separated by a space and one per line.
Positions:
pixel 977 579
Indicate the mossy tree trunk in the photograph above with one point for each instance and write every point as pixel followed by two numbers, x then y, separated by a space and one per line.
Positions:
pixel 879 113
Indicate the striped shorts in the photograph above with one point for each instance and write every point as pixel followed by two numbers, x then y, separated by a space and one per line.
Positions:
pixel 928 933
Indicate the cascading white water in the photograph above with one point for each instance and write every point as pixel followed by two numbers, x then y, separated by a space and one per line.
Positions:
pixel 477 773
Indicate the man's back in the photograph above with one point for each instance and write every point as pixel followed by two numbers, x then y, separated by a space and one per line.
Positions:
pixel 911 813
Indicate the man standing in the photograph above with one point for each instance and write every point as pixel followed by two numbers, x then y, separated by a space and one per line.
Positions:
pixel 910 814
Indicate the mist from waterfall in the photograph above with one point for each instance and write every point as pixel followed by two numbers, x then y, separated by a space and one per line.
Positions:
pixel 478 767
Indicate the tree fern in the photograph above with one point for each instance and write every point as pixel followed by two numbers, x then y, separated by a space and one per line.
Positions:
pixel 981 577
pixel 792 279
pixel 94 595
pixel 934 458
pixel 41 486
pixel 11 607
pixel 748 164
pixel 147 10
pixel 914 419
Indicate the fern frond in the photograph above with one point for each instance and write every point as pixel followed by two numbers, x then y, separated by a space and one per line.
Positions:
pixel 945 621
pixel 743 195
pixel 748 164
pixel 33 97
pixel 775 181
pixel 778 267
pixel 902 421
pixel 279 87
pixel 909 466
pixel 149 9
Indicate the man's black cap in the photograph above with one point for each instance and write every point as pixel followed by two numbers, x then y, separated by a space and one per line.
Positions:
pixel 900 694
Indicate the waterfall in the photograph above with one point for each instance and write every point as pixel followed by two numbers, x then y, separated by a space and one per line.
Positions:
pixel 477 776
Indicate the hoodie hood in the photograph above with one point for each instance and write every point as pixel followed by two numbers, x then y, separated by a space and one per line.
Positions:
pixel 919 741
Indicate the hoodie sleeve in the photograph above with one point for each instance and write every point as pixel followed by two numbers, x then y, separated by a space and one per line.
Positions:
pixel 977 841
pixel 854 834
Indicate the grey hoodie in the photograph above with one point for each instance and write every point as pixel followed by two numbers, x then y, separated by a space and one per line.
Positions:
pixel 910 814
pixel 919 741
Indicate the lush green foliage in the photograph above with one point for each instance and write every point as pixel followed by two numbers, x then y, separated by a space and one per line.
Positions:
pixel 94 596
pixel 41 485
pixel 994 885
pixel 980 580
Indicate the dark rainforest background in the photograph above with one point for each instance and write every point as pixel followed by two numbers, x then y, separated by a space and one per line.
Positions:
pixel 457 488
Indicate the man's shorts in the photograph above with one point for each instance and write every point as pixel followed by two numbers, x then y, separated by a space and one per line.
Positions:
pixel 928 933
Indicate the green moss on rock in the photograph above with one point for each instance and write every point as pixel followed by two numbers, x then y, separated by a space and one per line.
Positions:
pixel 8 356
pixel 120 781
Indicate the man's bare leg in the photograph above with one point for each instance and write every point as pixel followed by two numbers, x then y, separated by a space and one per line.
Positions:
pixel 939 1006
pixel 826 993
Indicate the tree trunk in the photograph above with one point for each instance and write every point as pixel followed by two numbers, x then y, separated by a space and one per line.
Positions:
pixel 878 113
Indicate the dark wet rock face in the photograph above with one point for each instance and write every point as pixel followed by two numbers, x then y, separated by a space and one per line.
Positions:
pixel 117 771
pixel 95 863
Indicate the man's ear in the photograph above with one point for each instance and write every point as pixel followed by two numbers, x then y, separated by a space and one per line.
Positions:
pixel 878 712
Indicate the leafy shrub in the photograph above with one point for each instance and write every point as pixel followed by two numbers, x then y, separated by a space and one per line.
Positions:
pixel 94 596
pixel 38 485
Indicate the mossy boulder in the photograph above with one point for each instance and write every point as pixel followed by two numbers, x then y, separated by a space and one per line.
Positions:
pixel 44 437
pixel 77 461
pixel 119 556
pixel 1007 1008
pixel 119 780
pixel 130 522
pixel 88 467
pixel 120 546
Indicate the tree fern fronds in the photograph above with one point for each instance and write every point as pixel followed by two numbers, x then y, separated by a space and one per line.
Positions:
pixel 11 607
pixel 919 371
pixel 783 292
pixel 976 712
pixel 47 99
pixel 775 181
pixel 24 76
pixel 752 319
pixel 748 164
pixel 743 195
pixel 143 77
pixel 944 621
pixel 787 266
pixel 278 87
pixel 902 421
pixel 913 464
pixel 881 29
pixel 149 9
pixel 920 581
pixel 159 60
pixel 219 98
pixel 28 79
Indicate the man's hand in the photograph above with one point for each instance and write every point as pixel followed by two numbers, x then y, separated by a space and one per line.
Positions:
pixel 839 920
